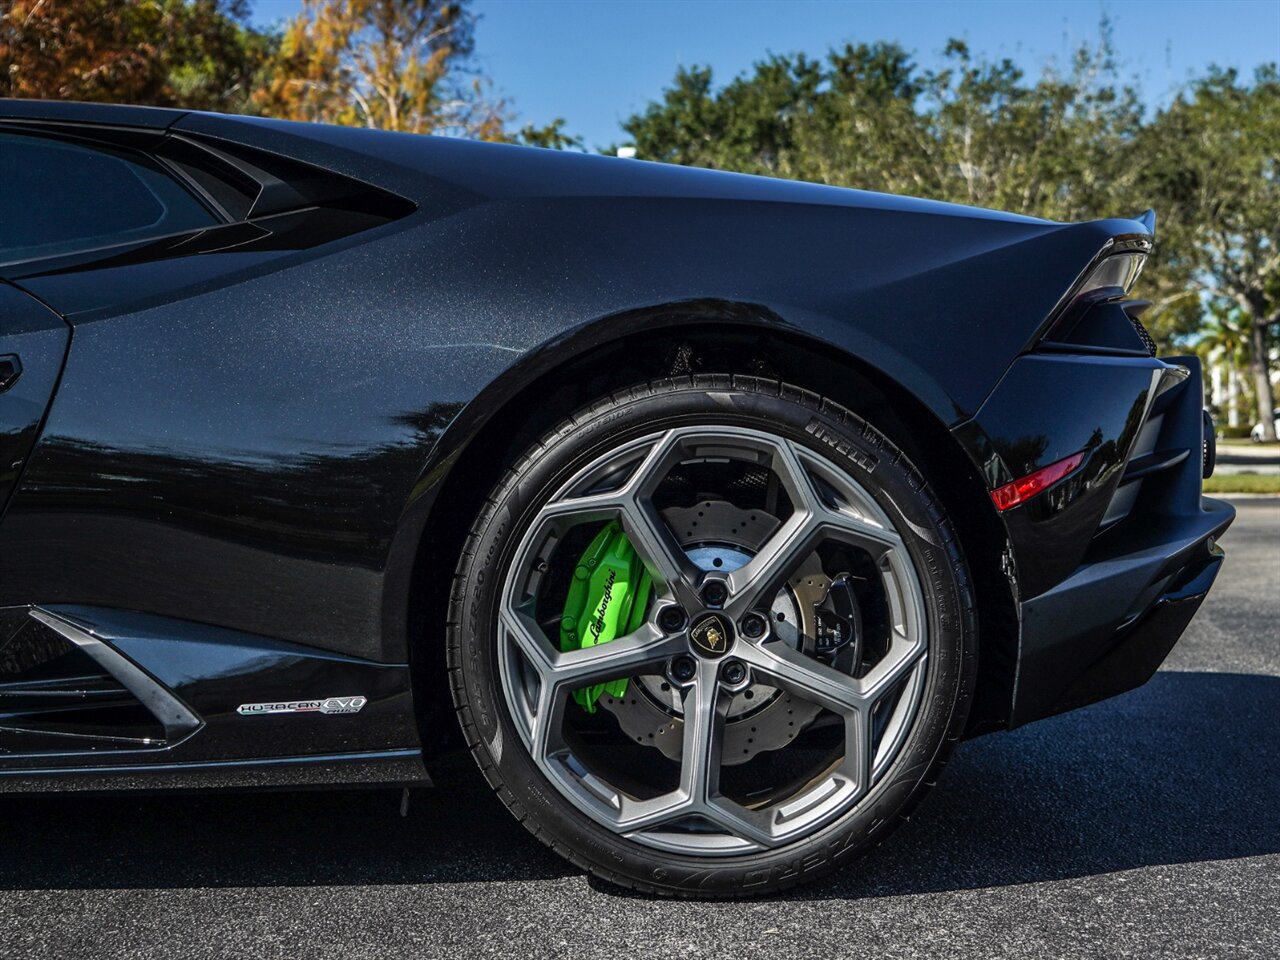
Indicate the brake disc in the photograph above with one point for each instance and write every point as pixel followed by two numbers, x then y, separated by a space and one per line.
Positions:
pixel 720 536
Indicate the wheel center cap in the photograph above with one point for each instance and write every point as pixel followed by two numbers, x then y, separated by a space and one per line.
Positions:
pixel 711 635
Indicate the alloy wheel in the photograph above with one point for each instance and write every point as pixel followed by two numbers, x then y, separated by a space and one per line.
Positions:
pixel 774 673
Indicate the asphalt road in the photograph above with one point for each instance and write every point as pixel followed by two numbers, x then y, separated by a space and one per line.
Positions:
pixel 1148 826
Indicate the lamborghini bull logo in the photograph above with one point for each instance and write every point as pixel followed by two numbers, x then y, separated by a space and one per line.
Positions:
pixel 710 635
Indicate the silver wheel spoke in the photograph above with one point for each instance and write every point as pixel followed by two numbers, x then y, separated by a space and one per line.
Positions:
pixel 804 676
pixel 700 758
pixel 618 658
pixel 699 791
pixel 902 657
pixel 561 673
pixel 812 680
pixel 703 713
pixel 667 564
pixel 769 569
pixel 753 584
pixel 812 521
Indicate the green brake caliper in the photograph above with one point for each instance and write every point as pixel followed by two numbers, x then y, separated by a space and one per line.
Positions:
pixel 607 599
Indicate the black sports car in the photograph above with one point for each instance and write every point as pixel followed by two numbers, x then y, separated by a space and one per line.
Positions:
pixel 719 508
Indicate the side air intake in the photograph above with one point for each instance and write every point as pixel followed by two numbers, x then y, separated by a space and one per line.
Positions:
pixel 64 691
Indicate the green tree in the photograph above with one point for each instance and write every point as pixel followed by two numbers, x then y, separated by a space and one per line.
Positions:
pixel 747 126
pixel 404 65
pixel 1221 343
pixel 1056 147
pixel 553 136
pixel 973 132
pixel 195 54
pixel 1212 158
pixel 865 129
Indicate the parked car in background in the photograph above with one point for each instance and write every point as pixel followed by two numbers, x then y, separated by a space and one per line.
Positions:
pixel 1256 433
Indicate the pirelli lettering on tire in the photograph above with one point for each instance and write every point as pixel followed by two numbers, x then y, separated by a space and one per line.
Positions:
pixel 330 706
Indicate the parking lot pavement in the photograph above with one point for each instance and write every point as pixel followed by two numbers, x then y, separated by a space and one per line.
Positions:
pixel 1148 826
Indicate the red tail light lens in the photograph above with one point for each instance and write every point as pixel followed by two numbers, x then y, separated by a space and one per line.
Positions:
pixel 1019 491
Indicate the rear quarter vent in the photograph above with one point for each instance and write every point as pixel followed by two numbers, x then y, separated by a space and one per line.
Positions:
pixel 1105 323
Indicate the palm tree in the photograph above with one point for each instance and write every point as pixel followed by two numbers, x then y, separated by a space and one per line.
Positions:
pixel 1223 347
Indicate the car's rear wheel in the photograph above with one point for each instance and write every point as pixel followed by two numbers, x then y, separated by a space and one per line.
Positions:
pixel 712 636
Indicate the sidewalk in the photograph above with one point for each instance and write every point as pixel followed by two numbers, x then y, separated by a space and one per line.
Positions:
pixel 1262 458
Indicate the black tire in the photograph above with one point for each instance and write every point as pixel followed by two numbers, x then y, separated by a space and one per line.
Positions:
pixel 807 419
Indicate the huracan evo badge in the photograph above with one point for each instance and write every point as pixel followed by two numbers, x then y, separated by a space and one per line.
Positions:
pixel 331 705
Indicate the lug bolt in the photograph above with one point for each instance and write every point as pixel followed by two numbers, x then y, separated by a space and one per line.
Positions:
pixel 715 593
pixel 671 619
pixel 735 671
pixel 753 626
pixel 682 668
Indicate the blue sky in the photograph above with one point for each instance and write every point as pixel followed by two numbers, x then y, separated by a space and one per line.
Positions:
pixel 594 62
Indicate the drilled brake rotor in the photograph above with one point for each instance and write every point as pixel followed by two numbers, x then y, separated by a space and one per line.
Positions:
pixel 720 536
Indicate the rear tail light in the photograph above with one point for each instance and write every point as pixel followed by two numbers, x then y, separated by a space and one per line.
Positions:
pixel 1095 314
pixel 1118 270
pixel 1023 489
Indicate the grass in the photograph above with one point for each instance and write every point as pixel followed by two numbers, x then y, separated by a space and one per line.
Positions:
pixel 1243 483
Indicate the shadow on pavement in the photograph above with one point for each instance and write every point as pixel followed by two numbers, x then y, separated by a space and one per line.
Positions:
pixel 1185 769
pixel 1182 770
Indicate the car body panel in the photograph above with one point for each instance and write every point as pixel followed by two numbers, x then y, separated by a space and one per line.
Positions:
pixel 1046 408
pixel 97 114
pixel 380 332
pixel 563 240
pixel 1097 585
pixel 33 346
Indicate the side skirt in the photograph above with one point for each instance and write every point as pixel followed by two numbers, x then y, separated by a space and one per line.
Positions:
pixel 111 695
pixel 390 768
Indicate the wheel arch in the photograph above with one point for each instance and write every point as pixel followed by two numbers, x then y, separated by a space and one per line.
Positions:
pixel 694 336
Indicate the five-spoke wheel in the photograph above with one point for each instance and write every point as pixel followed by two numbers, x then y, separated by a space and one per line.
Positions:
pixel 709 634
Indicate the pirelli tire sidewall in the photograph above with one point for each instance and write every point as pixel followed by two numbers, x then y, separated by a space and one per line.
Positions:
pixel 804 418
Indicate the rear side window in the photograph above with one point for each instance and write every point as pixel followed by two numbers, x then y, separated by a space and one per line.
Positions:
pixel 58 198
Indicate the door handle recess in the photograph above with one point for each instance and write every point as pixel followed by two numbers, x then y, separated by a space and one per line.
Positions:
pixel 10 370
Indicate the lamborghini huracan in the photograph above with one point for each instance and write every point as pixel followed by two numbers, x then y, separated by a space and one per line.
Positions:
pixel 709 512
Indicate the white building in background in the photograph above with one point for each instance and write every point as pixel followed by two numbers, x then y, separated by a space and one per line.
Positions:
pixel 1224 390
pixel 1231 389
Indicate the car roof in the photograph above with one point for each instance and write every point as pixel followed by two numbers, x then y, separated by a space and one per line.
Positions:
pixel 109 114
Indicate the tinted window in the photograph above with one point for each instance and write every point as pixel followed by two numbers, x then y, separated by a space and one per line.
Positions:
pixel 58 198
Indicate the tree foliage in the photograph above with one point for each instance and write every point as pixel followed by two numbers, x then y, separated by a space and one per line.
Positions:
pixel 1212 161
pixel 552 136
pixel 404 65
pixel 973 132
pixel 198 54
